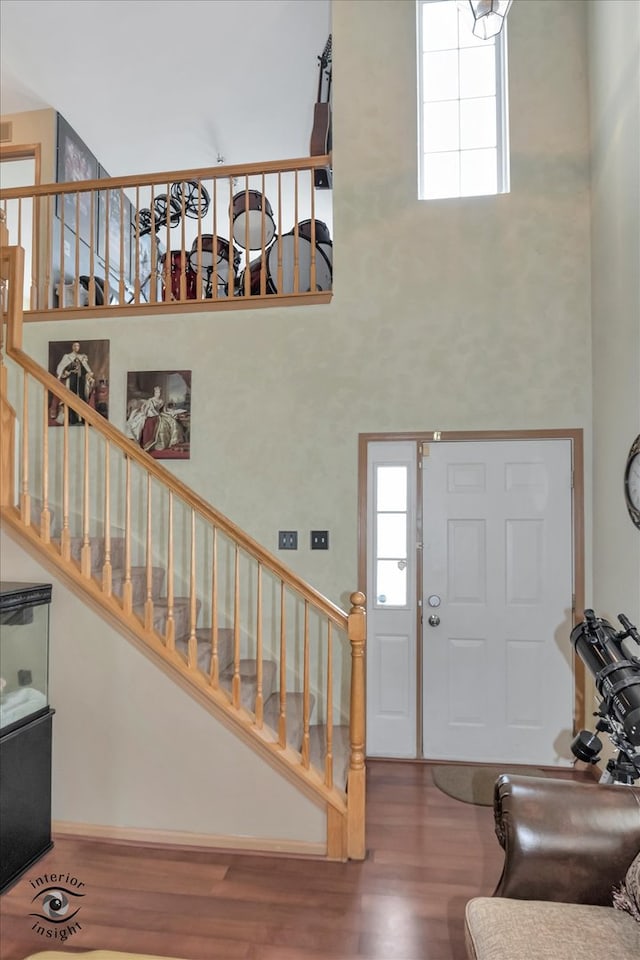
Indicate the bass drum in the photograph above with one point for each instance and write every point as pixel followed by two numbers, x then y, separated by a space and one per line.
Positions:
pixel 327 249
pixel 285 247
pixel 322 231
pixel 249 210
pixel 214 259
pixel 176 266
pixel 254 273
pixel 323 237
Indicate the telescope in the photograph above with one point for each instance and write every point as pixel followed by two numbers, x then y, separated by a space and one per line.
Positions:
pixel 616 672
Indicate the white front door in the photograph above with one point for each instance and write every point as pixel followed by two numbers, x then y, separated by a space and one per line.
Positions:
pixel 497 592
pixel 491 678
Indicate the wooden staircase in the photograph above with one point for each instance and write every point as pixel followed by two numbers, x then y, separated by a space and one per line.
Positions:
pixel 243 635
pixel 248 668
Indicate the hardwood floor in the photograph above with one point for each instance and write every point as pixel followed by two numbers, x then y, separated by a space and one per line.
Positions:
pixel 427 855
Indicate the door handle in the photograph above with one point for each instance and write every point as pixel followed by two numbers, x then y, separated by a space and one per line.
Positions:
pixel 434 620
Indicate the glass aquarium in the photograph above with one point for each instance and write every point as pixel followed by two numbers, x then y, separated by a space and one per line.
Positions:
pixel 24 651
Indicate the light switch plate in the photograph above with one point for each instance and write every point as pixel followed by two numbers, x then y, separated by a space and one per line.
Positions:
pixel 287 540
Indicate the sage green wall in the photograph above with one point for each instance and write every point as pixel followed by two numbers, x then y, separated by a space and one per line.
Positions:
pixel 614 74
pixel 460 314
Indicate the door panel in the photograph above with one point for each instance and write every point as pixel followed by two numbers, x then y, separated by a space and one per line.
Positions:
pixel 467 660
pixel 497 669
pixel 466 559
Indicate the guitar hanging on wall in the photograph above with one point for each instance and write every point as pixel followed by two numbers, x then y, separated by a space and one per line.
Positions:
pixel 321 133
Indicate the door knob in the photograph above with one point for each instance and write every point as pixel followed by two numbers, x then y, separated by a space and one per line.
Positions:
pixel 434 620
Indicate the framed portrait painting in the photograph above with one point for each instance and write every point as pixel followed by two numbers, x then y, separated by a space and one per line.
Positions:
pixel 159 412
pixel 74 161
pixel 82 366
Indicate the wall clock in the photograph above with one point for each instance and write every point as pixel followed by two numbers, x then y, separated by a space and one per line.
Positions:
pixel 632 482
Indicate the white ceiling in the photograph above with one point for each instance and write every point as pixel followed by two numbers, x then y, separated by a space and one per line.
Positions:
pixel 152 86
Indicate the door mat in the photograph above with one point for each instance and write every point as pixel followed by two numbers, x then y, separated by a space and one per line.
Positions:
pixel 475 784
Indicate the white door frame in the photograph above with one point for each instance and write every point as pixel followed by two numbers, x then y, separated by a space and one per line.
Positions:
pixel 573 435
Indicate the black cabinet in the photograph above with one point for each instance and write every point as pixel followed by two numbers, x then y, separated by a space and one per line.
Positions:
pixel 25 728
pixel 25 797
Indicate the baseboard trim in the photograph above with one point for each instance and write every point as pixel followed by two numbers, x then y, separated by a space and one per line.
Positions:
pixel 178 838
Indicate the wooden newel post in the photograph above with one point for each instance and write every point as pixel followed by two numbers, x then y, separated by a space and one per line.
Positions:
pixel 11 284
pixel 356 782
pixel 4 233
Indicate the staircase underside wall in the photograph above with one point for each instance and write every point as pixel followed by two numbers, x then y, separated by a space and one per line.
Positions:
pixel 133 751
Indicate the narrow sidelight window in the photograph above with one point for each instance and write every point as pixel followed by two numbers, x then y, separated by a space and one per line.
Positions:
pixel 391 485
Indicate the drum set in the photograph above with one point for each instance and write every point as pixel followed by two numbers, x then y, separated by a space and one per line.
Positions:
pixel 217 267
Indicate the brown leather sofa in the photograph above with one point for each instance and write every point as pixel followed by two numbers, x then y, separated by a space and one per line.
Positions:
pixel 566 844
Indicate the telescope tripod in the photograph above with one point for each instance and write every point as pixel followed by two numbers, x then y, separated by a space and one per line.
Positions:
pixel 620 770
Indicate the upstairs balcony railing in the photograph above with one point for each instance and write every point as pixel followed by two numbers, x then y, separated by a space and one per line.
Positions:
pixel 225 237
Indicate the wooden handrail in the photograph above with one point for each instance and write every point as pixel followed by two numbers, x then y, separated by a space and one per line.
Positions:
pixel 172 176
pixel 164 476
pixel 139 255
pixel 345 813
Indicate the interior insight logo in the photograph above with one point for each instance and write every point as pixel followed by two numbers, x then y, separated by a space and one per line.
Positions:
pixel 55 905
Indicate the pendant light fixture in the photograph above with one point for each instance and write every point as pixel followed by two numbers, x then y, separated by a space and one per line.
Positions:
pixel 488 17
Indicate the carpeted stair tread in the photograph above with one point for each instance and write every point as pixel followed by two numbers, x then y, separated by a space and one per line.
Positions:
pixel 181 615
pixel 182 612
pixel 249 681
pixel 203 637
pixel 341 750
pixel 97 547
pixel 138 582
pixel 35 517
pixel 294 710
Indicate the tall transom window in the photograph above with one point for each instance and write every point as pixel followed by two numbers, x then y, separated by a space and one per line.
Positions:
pixel 462 97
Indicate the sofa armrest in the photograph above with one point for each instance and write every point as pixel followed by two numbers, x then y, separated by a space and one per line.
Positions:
pixel 564 840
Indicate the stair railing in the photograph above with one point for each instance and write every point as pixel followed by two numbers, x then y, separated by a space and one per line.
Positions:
pixel 224 237
pixel 241 632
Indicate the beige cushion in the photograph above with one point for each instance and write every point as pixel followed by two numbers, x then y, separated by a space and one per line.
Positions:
pixel 94 955
pixel 502 929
